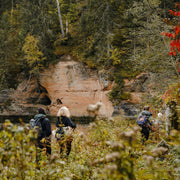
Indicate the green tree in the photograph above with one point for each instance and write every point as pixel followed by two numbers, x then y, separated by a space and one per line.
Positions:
pixel 149 48
pixel 33 55
pixel 10 49
pixel 103 41
pixel 5 6
pixel 40 19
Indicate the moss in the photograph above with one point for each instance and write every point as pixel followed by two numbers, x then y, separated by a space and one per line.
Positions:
pixel 125 96
pixel 118 95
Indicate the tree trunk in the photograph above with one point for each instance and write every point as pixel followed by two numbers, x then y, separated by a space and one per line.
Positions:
pixel 66 26
pixel 60 19
pixel 108 34
pixel 167 119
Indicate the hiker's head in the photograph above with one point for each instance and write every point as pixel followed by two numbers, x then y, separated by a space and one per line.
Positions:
pixel 146 108
pixel 41 111
pixel 63 111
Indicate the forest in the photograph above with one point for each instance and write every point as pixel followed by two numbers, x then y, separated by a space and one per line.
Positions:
pixel 120 39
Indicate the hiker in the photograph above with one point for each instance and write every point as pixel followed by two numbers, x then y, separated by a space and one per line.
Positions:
pixel 64 122
pixel 146 126
pixel 44 138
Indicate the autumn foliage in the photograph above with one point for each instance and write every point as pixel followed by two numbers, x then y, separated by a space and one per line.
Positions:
pixel 172 94
pixel 175 35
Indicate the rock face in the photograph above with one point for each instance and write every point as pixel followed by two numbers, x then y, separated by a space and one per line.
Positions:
pixel 71 84
pixel 68 83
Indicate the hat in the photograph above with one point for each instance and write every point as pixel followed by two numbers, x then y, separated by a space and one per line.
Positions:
pixel 41 111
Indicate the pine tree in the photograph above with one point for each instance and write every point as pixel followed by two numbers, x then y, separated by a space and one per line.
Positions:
pixel 40 19
pixel 10 49
pixel 150 49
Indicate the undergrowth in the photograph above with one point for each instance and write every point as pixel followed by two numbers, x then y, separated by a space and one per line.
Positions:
pixel 106 149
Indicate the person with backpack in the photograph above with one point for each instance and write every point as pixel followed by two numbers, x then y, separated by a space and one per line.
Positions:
pixel 144 122
pixel 43 126
pixel 65 128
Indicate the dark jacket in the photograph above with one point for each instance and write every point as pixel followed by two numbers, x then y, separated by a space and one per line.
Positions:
pixel 46 125
pixel 147 114
pixel 64 121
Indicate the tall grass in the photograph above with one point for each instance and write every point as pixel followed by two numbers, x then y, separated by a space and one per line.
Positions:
pixel 106 149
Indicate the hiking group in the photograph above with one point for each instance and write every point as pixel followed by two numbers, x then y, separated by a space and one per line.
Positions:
pixel 43 126
pixel 65 127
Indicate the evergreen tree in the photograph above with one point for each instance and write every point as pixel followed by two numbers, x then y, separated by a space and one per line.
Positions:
pixel 10 49
pixel 103 42
pixel 40 19
pixel 150 48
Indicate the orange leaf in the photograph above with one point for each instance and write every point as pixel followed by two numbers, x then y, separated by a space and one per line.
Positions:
pixel 174 36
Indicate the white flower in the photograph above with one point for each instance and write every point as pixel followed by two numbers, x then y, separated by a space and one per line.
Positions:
pixel 110 119
pixel 97 161
pixel 92 125
pixel 149 160
pixel 108 142
pixel 81 135
pixel 92 108
pixel 112 157
pixel 136 128
pixel 117 145
pixel 159 151
pixel 112 167
pixel 128 134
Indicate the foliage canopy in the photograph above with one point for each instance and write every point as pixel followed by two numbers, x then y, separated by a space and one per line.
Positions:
pixel 118 38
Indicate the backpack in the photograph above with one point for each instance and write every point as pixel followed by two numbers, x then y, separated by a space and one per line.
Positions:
pixel 62 131
pixel 65 132
pixel 36 124
pixel 142 120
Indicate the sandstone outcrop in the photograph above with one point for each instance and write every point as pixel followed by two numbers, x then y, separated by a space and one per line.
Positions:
pixel 68 83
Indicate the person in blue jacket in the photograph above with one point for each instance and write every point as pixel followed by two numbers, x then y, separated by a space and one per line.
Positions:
pixel 64 120
pixel 147 127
